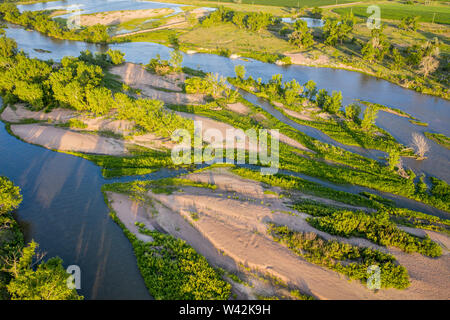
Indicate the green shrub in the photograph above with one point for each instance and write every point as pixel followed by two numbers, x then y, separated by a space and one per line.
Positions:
pixel 347 259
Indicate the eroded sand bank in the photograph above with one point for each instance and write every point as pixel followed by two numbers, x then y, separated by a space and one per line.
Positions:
pixel 116 17
pixel 137 77
pixel 67 140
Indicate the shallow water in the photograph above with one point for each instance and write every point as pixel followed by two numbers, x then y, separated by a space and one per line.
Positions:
pixel 64 211
pixel 310 22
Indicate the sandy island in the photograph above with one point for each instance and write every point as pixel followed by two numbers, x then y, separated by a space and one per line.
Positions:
pixel 67 140
pixel 231 220
pixel 116 17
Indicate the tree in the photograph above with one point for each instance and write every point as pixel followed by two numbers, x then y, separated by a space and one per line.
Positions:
pixel 311 89
pixel 176 59
pixel 370 115
pixel 409 23
pixel 47 282
pixel 352 112
pixel 8 50
pixel 240 72
pixel 321 98
pixel 394 159
pixel 420 144
pixel 301 36
pixel 425 56
pixel 377 47
pixel 10 197
pixel 338 30
pixel 331 32
pixel 239 19
pixel 399 60
pixel 115 56
pixel 317 12
pixel 174 41
pixel 292 91
pixel 256 21
pixel 99 100
pixel 334 103
pixel 30 92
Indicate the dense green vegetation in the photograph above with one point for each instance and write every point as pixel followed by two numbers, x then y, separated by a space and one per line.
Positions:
pixel 376 227
pixel 47 281
pixel 138 189
pixel 11 238
pixel 253 21
pixel 139 163
pixel 355 169
pixel 173 270
pixel 20 277
pixel 439 138
pixel 384 207
pixel 345 127
pixel 347 259
pixel 295 183
pixel 80 84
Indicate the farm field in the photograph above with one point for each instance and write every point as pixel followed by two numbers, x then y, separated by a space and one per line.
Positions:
pixel 395 11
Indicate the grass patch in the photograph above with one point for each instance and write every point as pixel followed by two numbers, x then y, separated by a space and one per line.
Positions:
pixel 439 138
pixel 397 11
pixel 173 270
pixel 226 36
pixel 419 123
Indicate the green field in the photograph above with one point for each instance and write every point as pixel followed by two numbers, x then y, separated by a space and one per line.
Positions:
pixel 290 3
pixel 228 36
pixel 398 11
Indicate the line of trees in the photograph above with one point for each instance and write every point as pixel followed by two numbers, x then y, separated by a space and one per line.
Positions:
pixel 80 84
pixel 338 29
pixel 302 35
pixel 254 21
pixel 23 273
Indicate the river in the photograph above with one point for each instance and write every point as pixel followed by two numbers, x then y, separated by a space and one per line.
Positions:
pixel 353 85
pixel 63 207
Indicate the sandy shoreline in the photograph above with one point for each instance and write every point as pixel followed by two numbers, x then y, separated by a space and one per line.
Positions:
pixel 116 17
pixel 67 140
pixel 232 220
